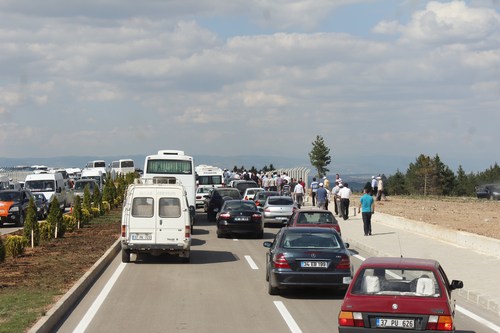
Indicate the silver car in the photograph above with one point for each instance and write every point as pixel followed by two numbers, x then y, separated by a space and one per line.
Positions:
pixel 277 210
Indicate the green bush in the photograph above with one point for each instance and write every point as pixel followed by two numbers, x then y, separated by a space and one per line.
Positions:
pixel 31 223
pixel 77 211
pixel 15 245
pixel 45 231
pixel 70 223
pixel 2 250
pixel 86 216
pixel 87 201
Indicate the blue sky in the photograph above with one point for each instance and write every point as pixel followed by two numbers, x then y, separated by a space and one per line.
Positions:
pixel 379 80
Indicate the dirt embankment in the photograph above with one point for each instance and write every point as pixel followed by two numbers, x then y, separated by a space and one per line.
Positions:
pixel 472 215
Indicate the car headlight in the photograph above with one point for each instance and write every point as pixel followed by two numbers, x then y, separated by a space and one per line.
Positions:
pixel 14 209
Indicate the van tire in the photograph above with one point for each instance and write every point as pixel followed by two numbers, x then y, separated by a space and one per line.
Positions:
pixel 20 223
pixel 125 256
pixel 186 259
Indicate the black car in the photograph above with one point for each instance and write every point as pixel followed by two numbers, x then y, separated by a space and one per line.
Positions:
pixel 13 206
pixel 307 257
pixel 489 191
pixel 42 206
pixel 242 185
pixel 239 217
pixel 216 198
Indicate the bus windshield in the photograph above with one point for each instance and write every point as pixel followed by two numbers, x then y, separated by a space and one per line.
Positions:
pixel 169 167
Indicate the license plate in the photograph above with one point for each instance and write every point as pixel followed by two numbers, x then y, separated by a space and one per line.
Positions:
pixel 397 323
pixel 281 218
pixel 313 264
pixel 142 236
pixel 241 218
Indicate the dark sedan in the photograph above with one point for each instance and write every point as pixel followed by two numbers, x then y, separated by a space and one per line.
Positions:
pixel 216 198
pixel 307 257
pixel 314 217
pixel 42 205
pixel 238 217
pixel 14 206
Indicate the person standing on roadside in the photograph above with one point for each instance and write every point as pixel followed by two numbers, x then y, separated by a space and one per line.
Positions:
pixel 380 188
pixel 367 209
pixel 326 183
pixel 321 196
pixel 314 188
pixel 374 186
pixel 298 193
pixel 335 197
pixel 345 194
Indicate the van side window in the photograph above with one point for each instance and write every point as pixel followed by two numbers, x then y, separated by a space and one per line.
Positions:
pixel 142 207
pixel 170 207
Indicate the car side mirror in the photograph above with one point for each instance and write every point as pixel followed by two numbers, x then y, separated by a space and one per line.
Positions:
pixel 59 190
pixel 456 284
pixel 216 210
pixel 267 244
pixel 346 245
pixel 192 211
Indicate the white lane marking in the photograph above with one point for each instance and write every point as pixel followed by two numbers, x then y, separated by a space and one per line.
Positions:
pixel 251 262
pixel 464 311
pixel 84 323
pixel 292 325
pixel 235 239
pixel 480 320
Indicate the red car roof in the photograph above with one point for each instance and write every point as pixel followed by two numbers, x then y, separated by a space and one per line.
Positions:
pixel 397 262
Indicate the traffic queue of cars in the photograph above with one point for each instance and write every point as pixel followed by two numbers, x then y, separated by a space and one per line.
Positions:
pixel 384 294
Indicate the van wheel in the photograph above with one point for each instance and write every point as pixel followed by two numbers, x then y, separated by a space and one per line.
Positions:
pixel 125 256
pixel 20 223
pixel 186 259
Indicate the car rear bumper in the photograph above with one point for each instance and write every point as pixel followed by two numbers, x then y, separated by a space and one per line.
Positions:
pixel 240 228
pixel 344 329
pixel 306 279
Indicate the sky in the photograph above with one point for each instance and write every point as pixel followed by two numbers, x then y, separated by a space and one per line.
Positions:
pixel 383 80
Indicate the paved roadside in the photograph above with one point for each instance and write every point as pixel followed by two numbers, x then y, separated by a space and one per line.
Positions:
pixel 473 259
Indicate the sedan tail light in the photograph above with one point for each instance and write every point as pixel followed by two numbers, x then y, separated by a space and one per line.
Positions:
pixel 224 215
pixel 280 261
pixel 348 318
pixel 440 323
pixel 256 217
pixel 344 263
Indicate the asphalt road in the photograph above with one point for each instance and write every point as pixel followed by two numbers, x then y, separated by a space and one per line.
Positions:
pixel 223 289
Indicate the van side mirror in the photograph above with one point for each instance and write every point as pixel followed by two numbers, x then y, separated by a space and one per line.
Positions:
pixel 456 284
pixel 59 190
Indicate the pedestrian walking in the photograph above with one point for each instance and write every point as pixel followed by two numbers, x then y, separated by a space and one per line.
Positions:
pixel 314 189
pixel 345 194
pixel 321 196
pixel 335 197
pixel 367 209
pixel 298 193
pixel 374 186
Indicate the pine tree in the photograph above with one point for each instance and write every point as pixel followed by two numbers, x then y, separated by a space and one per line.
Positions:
pixel 31 223
pixel 319 156
pixel 87 202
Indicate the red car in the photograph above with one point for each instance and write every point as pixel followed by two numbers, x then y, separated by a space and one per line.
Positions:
pixel 398 295
pixel 314 217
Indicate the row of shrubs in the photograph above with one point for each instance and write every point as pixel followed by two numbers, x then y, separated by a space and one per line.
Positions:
pixel 82 212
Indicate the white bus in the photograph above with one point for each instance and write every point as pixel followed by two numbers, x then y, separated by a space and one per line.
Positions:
pixel 209 176
pixel 122 167
pixel 175 164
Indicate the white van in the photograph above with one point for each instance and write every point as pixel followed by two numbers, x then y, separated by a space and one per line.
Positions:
pixel 52 185
pixel 156 219
pixel 94 174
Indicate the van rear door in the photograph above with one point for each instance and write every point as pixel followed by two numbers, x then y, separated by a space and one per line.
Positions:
pixel 142 223
pixel 171 226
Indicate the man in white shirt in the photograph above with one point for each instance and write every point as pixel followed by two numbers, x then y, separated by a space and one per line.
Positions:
pixel 344 193
pixel 298 192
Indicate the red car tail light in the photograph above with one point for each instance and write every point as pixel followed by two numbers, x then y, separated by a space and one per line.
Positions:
pixel 187 232
pixel 347 318
pixel 344 263
pixel 124 231
pixel 280 261
pixel 224 215
pixel 440 323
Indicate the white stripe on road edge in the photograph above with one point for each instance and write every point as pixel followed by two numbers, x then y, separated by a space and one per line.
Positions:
pixel 84 323
pixel 480 320
pixel 251 262
pixel 292 325
pixel 467 313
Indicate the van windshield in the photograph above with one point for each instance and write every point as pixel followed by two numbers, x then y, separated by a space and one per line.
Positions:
pixel 40 185
pixel 81 186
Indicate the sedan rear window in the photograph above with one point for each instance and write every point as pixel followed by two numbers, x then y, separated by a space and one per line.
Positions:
pixel 396 282
pixel 316 240
pixel 280 201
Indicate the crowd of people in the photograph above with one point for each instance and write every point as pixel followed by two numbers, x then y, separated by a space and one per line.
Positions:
pixel 320 192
